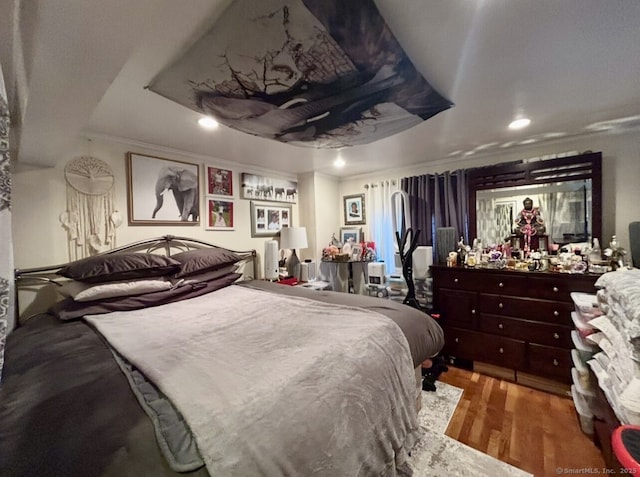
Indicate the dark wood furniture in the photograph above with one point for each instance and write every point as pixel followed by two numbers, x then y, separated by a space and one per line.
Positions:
pixel 518 320
pixel 586 166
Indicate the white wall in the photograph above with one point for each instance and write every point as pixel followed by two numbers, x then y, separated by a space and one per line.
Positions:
pixel 620 175
pixel 318 212
pixel 39 197
pixel 328 205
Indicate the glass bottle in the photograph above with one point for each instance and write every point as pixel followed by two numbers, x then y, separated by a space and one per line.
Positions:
pixel 595 254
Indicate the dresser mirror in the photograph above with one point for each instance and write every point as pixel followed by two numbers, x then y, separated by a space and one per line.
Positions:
pixel 566 191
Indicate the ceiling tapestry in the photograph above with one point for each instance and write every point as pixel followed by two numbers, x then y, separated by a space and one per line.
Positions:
pixel 313 73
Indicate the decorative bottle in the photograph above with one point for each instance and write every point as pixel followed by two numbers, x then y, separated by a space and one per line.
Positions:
pixel 595 254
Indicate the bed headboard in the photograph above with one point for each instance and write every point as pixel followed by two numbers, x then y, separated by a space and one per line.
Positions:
pixel 35 289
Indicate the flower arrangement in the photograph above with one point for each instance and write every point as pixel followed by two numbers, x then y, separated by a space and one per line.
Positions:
pixel 615 254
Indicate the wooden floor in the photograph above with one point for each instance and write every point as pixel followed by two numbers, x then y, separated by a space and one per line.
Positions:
pixel 533 430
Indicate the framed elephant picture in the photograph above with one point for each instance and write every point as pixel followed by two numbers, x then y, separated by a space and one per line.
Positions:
pixel 162 191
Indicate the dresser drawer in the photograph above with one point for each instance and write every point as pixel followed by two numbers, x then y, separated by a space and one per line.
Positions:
pixel 531 331
pixel 456 308
pixel 484 347
pixel 559 287
pixel 526 308
pixel 458 279
pixel 513 283
pixel 550 361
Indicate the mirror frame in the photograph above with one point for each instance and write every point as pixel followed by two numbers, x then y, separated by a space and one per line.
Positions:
pixel 579 167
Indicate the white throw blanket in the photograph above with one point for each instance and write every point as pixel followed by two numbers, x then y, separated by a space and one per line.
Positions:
pixel 276 385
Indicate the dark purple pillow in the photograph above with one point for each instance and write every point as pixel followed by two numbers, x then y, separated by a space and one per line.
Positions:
pixel 204 260
pixel 119 266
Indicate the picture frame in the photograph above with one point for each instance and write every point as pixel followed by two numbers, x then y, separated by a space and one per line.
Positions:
pixel 267 219
pixel 218 181
pixel 156 185
pixel 220 214
pixel 356 252
pixel 354 233
pixel 354 209
pixel 266 188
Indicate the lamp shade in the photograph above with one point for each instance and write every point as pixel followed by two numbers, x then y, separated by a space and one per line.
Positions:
pixel 293 237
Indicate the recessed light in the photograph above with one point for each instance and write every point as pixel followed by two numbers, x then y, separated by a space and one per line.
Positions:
pixel 208 122
pixel 519 123
pixel 339 162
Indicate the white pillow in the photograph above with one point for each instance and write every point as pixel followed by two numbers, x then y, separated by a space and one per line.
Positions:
pixel 80 291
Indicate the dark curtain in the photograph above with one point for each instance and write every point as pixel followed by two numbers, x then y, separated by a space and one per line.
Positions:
pixel 438 200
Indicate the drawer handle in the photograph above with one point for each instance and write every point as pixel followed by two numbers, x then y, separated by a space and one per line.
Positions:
pixel 556 336
pixel 455 280
pixel 500 325
pixel 473 312
pixel 501 285
pixel 555 362
pixel 555 289
pixel 501 350
pixel 500 305
pixel 556 313
pixel 456 340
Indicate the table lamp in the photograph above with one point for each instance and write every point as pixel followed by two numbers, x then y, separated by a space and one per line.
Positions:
pixel 293 238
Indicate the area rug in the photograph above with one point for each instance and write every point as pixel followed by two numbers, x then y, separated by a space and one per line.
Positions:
pixel 437 454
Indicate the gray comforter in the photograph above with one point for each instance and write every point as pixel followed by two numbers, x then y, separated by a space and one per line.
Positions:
pixel 67 409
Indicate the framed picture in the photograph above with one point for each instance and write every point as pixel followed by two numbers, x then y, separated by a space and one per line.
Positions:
pixel 219 181
pixel 352 234
pixel 356 252
pixel 162 191
pixel 354 213
pixel 265 188
pixel 267 219
pixel 219 214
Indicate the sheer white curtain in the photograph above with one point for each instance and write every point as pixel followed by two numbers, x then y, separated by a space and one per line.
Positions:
pixel 380 222
pixel 6 251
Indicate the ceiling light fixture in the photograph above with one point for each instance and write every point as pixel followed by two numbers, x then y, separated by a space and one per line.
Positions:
pixel 519 123
pixel 208 122
pixel 339 162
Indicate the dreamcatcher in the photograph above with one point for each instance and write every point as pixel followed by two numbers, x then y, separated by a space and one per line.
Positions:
pixel 90 219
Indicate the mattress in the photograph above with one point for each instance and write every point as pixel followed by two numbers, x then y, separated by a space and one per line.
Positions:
pixel 66 408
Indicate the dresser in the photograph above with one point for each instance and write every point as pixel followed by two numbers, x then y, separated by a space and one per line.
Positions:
pixel 516 320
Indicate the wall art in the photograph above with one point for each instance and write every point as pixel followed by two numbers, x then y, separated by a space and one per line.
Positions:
pixel 218 181
pixel 220 214
pixel 266 188
pixel 354 210
pixel 268 219
pixel 162 191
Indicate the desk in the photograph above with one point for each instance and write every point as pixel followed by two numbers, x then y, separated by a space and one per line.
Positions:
pixel 346 277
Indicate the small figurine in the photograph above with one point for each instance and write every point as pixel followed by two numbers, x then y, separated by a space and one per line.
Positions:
pixel 462 252
pixel 529 223
pixel 335 242
pixel 615 254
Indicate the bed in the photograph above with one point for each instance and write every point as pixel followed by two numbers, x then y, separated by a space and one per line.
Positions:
pixel 166 357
